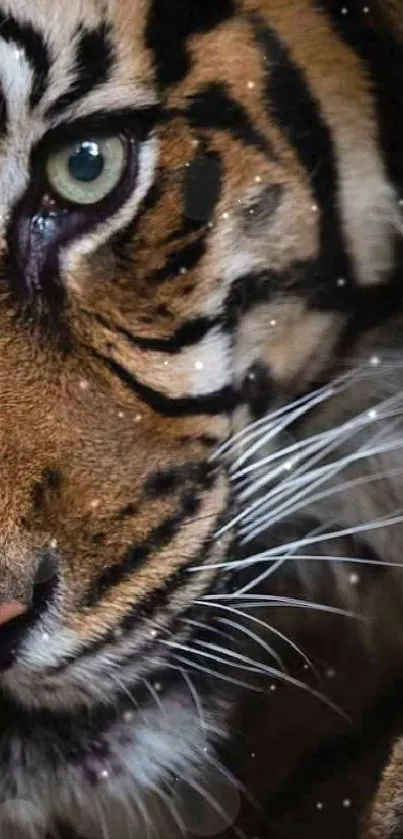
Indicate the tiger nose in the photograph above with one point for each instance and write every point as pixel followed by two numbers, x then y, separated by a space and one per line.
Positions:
pixel 9 611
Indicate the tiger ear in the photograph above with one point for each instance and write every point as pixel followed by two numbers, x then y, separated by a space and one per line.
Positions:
pixel 385 820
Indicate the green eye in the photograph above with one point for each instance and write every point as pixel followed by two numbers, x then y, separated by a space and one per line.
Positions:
pixel 87 171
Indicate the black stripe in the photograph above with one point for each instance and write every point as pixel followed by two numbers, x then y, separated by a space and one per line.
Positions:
pixel 156 599
pixel 217 402
pixel 164 482
pixel 306 280
pixel 171 23
pixel 202 187
pixel 187 258
pixel 292 105
pixel 140 122
pixel 92 67
pixel 36 51
pixel 3 113
pixel 186 335
pixel 121 243
pixel 375 43
pixel 213 107
pixel 136 556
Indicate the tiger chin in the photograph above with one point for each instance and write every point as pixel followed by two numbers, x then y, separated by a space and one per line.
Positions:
pixel 199 229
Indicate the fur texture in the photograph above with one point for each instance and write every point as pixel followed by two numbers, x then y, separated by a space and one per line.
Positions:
pixel 249 255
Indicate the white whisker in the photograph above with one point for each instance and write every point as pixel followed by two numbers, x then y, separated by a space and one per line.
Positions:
pixel 319 477
pixel 255 427
pixel 273 600
pixel 259 641
pixel 265 626
pixel 276 674
pixel 196 699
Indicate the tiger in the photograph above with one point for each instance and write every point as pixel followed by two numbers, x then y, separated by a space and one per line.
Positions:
pixel 200 330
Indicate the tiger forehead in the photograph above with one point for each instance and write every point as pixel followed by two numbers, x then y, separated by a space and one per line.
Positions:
pixel 97 48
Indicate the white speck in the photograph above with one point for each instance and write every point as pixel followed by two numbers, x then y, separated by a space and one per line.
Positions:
pixel 210 224
pixel 225 215
pixel 84 385
pixel 253 754
pixel 137 418
pixel 290 464
pixel 95 503
pixel 346 802
pixel 354 578
pixel 273 688
pixel 374 361
pixel 251 85
pixel 330 673
pixel 273 322
pixel 118 632
pixel 400 202
pixel 199 365
pixel 158 686
pixel 45 636
pixel 258 179
pixel 319 805
pixel 205 750
pixel 53 543
pixel 183 270
pixel 121 415
pixel 366 10
pixel 195 143
pixel 306 667
pixel 251 376
pixel 251 211
pixel 341 282
pixel 19 53
pixel 166 363
pixel 128 716
pixel 373 413
pixel 154 633
pixel 314 208
pixel 104 774
pixel 344 10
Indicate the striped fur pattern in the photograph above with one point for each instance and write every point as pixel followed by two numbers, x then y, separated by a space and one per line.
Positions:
pixel 249 255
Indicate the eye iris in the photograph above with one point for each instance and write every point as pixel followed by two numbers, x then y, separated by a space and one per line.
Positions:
pixel 86 163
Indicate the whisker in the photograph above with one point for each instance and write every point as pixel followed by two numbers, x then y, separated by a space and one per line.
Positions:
pixel 364 528
pixel 265 626
pixel 252 662
pixel 331 441
pixel 276 429
pixel 206 627
pixel 284 677
pixel 323 474
pixel 338 385
pixel 256 426
pixel 274 600
pixel 251 666
pixel 238 564
pixel 217 675
pixel 196 698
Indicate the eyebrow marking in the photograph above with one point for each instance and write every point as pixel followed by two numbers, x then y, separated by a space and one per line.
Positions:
pixel 24 36
pixel 93 62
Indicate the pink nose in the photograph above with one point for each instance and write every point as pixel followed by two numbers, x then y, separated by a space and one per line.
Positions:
pixel 8 611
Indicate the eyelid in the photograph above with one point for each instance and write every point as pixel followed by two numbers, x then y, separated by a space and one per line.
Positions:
pixel 137 123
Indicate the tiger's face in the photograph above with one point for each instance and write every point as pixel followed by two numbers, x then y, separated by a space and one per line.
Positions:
pixel 195 210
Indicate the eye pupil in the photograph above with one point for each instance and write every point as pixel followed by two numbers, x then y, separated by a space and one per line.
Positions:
pixel 86 163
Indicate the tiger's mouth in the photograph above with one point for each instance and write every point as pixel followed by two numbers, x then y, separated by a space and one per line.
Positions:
pixel 13 633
